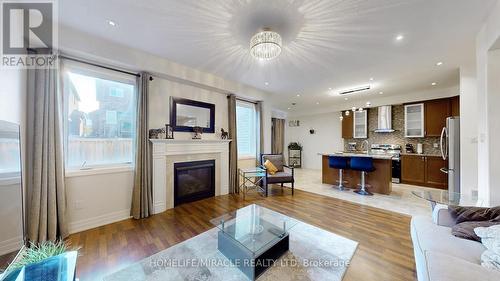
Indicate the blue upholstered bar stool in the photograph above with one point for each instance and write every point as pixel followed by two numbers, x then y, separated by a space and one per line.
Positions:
pixel 364 165
pixel 340 163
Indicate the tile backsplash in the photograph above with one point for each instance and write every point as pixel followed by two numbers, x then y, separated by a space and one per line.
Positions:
pixel 396 137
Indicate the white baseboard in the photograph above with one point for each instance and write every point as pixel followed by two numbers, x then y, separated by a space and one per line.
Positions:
pixel 11 245
pixel 159 207
pixel 81 225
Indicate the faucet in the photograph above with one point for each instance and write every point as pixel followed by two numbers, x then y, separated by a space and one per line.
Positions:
pixel 368 149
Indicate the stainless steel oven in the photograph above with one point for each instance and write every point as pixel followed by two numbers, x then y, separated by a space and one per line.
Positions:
pixel 393 150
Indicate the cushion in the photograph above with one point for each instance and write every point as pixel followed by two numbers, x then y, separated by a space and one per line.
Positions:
pixel 490 237
pixel 444 267
pixel 277 160
pixel 270 167
pixel 466 229
pixel 280 177
pixel 462 214
pixel 428 236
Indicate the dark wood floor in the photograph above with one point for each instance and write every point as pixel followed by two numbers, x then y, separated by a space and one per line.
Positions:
pixel 385 251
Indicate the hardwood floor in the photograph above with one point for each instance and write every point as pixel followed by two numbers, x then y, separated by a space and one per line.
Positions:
pixel 384 253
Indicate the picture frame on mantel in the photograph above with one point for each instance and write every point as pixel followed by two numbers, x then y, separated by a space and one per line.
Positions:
pixel 186 114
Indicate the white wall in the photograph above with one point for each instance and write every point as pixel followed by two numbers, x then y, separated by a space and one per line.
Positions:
pixel 327 137
pixel 95 200
pixel 12 95
pixel 468 130
pixel 487 111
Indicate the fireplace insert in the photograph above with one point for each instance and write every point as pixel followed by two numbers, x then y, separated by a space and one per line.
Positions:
pixel 193 181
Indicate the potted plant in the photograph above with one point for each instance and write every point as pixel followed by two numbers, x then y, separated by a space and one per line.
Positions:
pixel 38 252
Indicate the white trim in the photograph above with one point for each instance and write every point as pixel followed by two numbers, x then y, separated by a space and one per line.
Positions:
pixel 247 157
pixel 10 181
pixel 99 171
pixel 81 225
pixel 11 245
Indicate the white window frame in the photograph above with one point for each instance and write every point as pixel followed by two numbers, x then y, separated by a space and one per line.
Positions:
pixel 97 72
pixel 240 103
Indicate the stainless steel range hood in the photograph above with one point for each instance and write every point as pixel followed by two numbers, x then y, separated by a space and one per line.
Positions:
pixel 384 119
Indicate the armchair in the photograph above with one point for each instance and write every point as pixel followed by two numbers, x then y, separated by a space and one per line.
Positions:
pixel 282 176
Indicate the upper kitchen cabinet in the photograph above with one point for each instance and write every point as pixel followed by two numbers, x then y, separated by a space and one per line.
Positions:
pixel 347 125
pixel 414 120
pixel 436 112
pixel 360 124
pixel 455 106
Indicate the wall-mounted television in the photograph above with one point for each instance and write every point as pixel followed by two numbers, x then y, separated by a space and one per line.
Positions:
pixel 12 234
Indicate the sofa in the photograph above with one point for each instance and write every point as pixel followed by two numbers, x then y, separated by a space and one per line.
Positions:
pixel 440 256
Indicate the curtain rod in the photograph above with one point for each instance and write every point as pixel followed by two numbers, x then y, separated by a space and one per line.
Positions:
pixel 245 100
pixel 99 65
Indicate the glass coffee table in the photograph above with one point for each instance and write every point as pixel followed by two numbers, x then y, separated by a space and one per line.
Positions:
pixel 444 197
pixel 253 237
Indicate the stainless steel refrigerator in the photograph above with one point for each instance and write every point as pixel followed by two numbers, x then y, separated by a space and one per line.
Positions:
pixel 450 149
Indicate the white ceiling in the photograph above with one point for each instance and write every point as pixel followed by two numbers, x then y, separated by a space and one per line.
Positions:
pixel 327 43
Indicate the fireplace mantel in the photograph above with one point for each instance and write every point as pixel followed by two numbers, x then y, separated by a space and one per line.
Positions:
pixel 166 152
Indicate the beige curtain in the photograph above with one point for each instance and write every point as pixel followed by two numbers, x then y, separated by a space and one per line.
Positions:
pixel 142 194
pixel 45 189
pixel 233 146
pixel 278 136
pixel 260 120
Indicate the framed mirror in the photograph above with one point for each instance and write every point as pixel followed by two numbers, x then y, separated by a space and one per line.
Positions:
pixel 186 114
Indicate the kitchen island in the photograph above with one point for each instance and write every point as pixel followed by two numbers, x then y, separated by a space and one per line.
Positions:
pixel 380 180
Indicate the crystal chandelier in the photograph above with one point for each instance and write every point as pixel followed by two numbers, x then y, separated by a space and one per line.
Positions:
pixel 265 45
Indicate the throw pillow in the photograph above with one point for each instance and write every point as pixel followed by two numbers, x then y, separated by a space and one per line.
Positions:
pixel 461 214
pixel 270 167
pixel 490 238
pixel 465 230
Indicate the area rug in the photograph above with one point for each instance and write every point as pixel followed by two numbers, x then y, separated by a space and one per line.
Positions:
pixel 315 254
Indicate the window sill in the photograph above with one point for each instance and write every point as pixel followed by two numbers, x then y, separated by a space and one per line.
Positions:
pixel 98 171
pixel 247 157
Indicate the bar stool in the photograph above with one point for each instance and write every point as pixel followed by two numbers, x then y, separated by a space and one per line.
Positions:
pixel 364 165
pixel 340 163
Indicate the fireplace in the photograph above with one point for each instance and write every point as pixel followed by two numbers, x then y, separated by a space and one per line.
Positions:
pixel 193 181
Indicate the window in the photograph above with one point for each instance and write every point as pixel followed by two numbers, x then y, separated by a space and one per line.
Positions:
pixel 99 116
pixel 246 119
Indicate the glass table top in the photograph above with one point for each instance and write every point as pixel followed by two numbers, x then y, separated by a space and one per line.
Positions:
pixel 253 172
pixel 255 227
pixel 447 198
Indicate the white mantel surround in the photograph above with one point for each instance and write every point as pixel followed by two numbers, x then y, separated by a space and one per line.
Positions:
pixel 168 152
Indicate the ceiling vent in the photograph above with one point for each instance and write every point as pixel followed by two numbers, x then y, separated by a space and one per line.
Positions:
pixel 355 90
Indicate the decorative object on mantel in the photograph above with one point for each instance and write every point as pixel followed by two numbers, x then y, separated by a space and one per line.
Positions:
pixel 197 133
pixel 223 134
pixel 156 133
pixel 295 154
pixel 169 132
pixel 294 123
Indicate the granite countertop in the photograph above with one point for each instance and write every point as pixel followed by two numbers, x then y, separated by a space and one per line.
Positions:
pixel 358 154
pixel 422 154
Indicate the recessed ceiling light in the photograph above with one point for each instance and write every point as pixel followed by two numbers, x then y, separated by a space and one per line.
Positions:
pixel 368 104
pixel 298 95
pixel 433 83
pixel 400 37
pixel 330 88
pixel 112 23
pixel 317 102
pixel 346 99
pixel 266 83
pixel 289 108
pixel 371 78
pixel 439 63
pixel 380 93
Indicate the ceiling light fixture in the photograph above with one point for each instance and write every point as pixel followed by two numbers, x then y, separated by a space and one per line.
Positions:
pixel 265 45
pixel 112 23
pixel 346 99
pixel 353 108
pixel 289 108
pixel 360 109
pixel 368 104
pixel 354 90
pixel 380 93
pixel 266 83
pixel 439 63
pixel 298 95
pixel 347 112
pixel 433 83
pixel 371 79
pixel 317 102
pixel 400 37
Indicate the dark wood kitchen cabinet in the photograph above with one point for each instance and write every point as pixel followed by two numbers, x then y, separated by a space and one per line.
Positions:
pixel 347 125
pixel 424 171
pixel 436 112
pixel 455 106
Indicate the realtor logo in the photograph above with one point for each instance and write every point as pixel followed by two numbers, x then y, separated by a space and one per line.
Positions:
pixel 28 33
